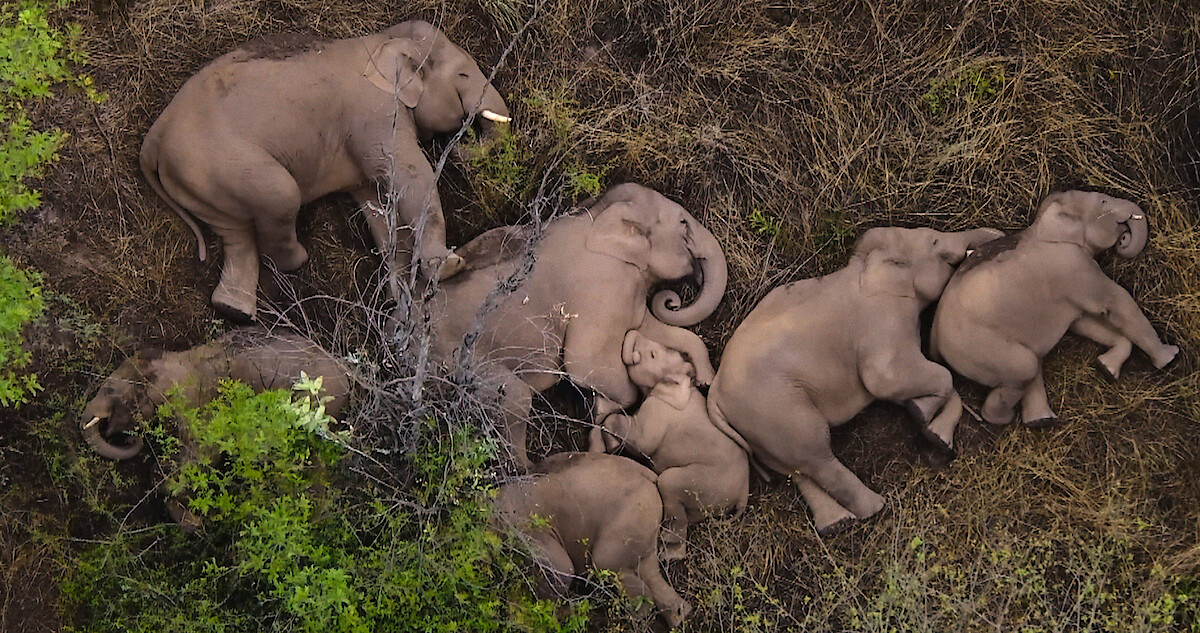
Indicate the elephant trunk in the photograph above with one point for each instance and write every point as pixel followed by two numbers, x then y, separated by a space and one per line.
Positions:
pixel 1133 238
pixel 711 272
pixel 91 434
pixel 493 114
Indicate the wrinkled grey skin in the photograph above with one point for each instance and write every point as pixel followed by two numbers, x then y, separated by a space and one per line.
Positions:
pixel 815 352
pixel 571 523
pixel 280 122
pixel 588 286
pixel 260 359
pixel 702 472
pixel 1011 302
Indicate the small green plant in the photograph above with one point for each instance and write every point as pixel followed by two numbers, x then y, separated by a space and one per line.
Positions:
pixel 20 303
pixel 585 182
pixel 972 85
pixel 774 230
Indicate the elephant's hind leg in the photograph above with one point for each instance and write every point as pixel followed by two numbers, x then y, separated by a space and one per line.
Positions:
pixel 516 399
pixel 236 295
pixel 273 201
pixel 1016 368
pixel 1035 408
pixel 828 515
pixel 1119 347
pixel 557 571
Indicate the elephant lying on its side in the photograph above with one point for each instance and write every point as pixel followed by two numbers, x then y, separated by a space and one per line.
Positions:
pixel 1012 301
pixel 591 274
pixel 815 352
pixel 702 471
pixel 282 121
pixel 592 509
pixel 264 360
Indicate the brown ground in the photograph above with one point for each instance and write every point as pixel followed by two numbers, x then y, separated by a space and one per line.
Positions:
pixel 810 114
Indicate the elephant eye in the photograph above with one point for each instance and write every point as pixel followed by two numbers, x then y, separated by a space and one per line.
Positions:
pixel 464 75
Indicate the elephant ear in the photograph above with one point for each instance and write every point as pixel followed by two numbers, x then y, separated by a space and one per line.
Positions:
pixel 622 230
pixel 887 270
pixel 675 390
pixel 394 67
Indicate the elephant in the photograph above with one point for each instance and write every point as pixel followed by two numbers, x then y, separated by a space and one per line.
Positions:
pixel 264 360
pixel 570 523
pixel 702 471
pixel 1013 299
pixel 813 353
pixel 591 274
pixel 280 122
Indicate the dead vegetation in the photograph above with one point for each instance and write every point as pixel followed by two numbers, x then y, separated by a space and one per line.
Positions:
pixel 788 128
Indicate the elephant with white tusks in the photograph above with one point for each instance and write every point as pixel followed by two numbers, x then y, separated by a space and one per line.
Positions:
pixel 597 510
pixel 1014 298
pixel 814 353
pixel 282 121
pixel 263 360
pixel 591 275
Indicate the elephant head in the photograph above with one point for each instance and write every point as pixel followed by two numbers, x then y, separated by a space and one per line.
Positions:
pixel 112 411
pixel 436 79
pixel 643 228
pixel 914 262
pixel 1093 220
pixel 654 367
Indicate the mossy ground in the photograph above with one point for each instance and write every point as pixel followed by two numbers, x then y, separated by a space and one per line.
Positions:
pixel 788 128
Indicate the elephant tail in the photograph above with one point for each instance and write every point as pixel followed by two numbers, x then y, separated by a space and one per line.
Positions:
pixel 149 161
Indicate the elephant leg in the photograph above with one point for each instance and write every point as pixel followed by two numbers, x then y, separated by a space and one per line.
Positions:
pixel 516 400
pixel 419 207
pixel 926 388
pixel 1014 367
pixel 828 515
pixel 844 485
pixel 1035 408
pixel 557 569
pixel 394 242
pixel 1119 347
pixel 236 295
pixel 674 609
pixel 1099 295
pixel 267 195
pixel 673 485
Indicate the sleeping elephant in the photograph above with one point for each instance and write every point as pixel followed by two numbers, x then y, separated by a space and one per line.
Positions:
pixel 815 352
pixel 1013 299
pixel 702 469
pixel 264 360
pixel 590 278
pixel 572 524
pixel 280 122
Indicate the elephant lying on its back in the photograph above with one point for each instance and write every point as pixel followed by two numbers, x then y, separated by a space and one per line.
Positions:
pixel 282 121
pixel 589 283
pixel 1013 300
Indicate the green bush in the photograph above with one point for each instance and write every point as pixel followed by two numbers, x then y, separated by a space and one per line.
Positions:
pixel 286 547
pixel 20 303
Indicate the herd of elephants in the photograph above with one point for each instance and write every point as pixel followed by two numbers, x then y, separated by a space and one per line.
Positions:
pixel 277 123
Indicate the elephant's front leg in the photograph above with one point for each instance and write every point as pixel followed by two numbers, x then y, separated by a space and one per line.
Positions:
pixel 906 377
pixel 1104 299
pixel 828 515
pixel 1119 347
pixel 516 399
pixel 414 186
pixel 236 295
pixel 394 240
pixel 592 357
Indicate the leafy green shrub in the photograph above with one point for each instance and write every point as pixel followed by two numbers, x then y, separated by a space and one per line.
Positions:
pixel 287 547
pixel 972 85
pixel 20 303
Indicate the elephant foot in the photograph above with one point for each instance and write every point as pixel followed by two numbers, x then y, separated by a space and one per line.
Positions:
pixel 1109 371
pixel 1041 423
pixel 998 416
pixel 1165 356
pixel 185 518
pixel 290 258
pixel 943 445
pixel 836 527
pixel 868 506
pixel 238 309
pixel 452 265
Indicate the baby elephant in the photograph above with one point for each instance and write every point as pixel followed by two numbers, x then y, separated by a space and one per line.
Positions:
pixel 1013 299
pixel 701 470
pixel 816 352
pixel 597 508
pixel 264 360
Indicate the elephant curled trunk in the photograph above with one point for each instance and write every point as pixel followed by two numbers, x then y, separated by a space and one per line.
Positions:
pixel 91 434
pixel 710 271
pixel 1133 238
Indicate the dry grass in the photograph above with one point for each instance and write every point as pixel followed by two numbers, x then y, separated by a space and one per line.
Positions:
pixel 811 114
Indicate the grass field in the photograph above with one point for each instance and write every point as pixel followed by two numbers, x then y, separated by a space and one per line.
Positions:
pixel 788 128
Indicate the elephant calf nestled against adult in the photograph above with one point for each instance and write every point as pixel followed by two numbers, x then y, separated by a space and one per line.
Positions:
pixel 280 122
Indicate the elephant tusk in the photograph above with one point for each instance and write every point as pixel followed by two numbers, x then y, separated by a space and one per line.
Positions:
pixel 1137 216
pixel 94 422
pixel 969 251
pixel 492 116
